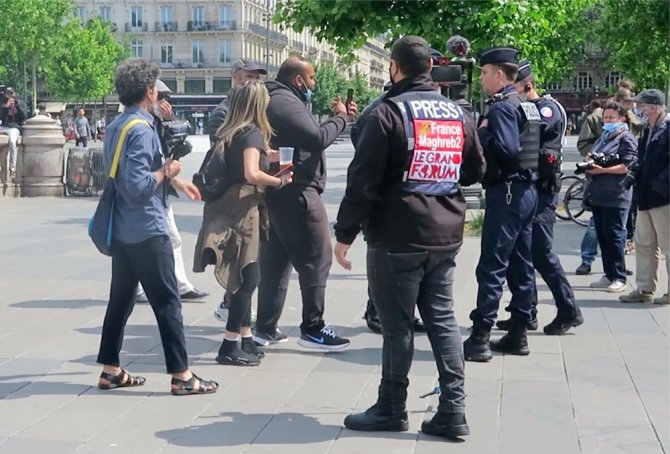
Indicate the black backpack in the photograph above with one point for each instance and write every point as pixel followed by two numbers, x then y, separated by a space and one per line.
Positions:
pixel 211 180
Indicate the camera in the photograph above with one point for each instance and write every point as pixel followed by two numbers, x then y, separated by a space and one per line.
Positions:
pixel 597 159
pixel 631 177
pixel 175 135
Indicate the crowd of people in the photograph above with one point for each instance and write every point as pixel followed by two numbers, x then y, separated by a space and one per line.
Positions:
pixel 415 150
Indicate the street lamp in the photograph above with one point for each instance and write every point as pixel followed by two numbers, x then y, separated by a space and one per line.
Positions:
pixel 266 17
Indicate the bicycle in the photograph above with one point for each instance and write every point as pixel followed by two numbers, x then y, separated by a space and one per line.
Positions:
pixel 571 198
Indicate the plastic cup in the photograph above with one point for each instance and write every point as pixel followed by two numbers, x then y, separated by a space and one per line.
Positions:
pixel 285 156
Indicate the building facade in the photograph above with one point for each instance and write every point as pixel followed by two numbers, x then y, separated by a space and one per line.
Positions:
pixel 196 42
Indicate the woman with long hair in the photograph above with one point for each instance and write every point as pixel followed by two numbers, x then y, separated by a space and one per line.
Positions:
pixel 234 223
pixel 609 199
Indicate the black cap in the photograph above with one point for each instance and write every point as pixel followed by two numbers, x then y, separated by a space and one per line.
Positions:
pixel 248 66
pixel 524 70
pixel 651 96
pixel 499 55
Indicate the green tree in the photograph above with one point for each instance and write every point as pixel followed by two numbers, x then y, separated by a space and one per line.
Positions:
pixel 28 31
pixel 83 60
pixel 330 83
pixel 547 32
pixel 363 94
pixel 634 34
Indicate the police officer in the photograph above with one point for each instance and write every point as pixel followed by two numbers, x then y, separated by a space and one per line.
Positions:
pixel 403 185
pixel 553 121
pixel 510 136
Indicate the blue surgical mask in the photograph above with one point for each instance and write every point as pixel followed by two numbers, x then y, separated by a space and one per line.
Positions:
pixel 308 95
pixel 609 127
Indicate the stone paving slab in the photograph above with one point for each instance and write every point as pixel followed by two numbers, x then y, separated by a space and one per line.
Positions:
pixel 604 388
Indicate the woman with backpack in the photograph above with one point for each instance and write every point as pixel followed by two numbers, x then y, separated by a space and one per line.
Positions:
pixel 234 222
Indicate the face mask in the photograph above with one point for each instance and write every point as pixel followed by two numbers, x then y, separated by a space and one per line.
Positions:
pixel 609 127
pixel 306 91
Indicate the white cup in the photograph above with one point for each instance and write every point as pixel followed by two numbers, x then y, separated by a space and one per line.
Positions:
pixel 285 156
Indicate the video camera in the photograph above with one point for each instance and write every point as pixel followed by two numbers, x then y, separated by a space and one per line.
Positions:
pixel 631 177
pixel 175 134
pixel 454 75
pixel 597 159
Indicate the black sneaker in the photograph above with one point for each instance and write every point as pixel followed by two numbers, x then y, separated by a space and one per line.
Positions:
pixel 326 339
pixel 249 346
pixel 230 354
pixel 194 294
pixel 583 269
pixel 448 425
pixel 264 339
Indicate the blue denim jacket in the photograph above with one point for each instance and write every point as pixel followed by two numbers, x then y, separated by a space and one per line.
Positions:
pixel 140 208
pixel 606 190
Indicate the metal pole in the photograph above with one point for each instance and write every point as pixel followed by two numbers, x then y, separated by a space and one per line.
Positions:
pixel 267 36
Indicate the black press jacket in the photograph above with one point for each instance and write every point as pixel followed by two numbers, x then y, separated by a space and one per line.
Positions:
pixel 653 178
pixel 294 126
pixel 397 219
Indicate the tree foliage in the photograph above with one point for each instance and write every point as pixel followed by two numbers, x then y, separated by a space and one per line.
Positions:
pixel 82 63
pixel 635 35
pixel 331 83
pixel 548 32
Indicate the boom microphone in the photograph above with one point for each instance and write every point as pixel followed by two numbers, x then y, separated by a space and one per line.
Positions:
pixel 458 45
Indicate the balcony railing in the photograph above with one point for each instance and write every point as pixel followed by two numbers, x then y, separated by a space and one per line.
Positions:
pixel 206 63
pixel 166 27
pixel 298 45
pixel 144 27
pixel 263 31
pixel 196 26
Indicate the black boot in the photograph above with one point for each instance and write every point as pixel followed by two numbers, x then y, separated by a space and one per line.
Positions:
pixel 515 341
pixel 375 420
pixel 563 322
pixel 476 347
pixel 230 354
pixel 448 425
pixel 504 324
pixel 249 346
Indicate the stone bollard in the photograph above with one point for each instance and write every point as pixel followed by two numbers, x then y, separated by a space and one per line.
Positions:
pixel 40 166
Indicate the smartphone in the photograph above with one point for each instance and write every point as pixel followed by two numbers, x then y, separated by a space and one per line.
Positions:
pixel 350 98
pixel 283 171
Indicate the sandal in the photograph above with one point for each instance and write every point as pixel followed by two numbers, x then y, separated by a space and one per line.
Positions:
pixel 122 380
pixel 186 387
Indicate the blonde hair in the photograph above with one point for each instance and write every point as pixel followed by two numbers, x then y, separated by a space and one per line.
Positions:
pixel 247 105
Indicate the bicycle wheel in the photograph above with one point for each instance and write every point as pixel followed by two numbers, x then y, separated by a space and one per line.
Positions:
pixel 573 202
pixel 566 182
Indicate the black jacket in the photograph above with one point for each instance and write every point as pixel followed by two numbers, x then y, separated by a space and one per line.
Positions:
pixel 216 119
pixel 653 177
pixel 294 126
pixel 400 220
pixel 14 117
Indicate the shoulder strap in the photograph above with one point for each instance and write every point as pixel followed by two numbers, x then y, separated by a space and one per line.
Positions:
pixel 120 142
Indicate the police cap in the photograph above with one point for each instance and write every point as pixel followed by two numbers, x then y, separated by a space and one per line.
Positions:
pixel 494 55
pixel 524 70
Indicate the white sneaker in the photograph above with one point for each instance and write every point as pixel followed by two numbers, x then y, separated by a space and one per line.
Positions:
pixel 221 313
pixel 603 282
pixel 637 296
pixel 665 299
pixel 617 287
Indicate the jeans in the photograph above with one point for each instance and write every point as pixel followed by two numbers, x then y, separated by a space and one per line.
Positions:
pixel 611 230
pixel 13 145
pixel 150 262
pixel 239 315
pixel 81 140
pixel 299 236
pixel 371 308
pixel 589 246
pixel 423 279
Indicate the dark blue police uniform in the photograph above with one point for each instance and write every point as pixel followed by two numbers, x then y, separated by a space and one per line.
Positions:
pixel 511 146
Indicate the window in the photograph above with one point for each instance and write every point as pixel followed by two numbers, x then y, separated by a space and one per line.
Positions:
pixel 554 86
pixel 198 54
pixel 81 13
pixel 171 83
pixel 222 85
pixel 166 52
pixel 198 16
pixel 612 79
pixel 136 16
pixel 137 48
pixel 106 13
pixel 194 86
pixel 224 52
pixel 167 15
pixel 584 81
pixel 226 17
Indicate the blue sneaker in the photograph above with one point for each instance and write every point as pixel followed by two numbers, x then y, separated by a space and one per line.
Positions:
pixel 325 340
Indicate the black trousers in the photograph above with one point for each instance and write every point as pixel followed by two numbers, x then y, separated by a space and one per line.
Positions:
pixel 299 236
pixel 545 261
pixel 82 140
pixel 239 314
pixel 150 262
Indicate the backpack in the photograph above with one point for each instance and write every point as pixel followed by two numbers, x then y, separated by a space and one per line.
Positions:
pixel 211 179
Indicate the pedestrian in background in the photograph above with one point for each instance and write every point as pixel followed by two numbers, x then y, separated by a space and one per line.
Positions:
pixel 82 129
